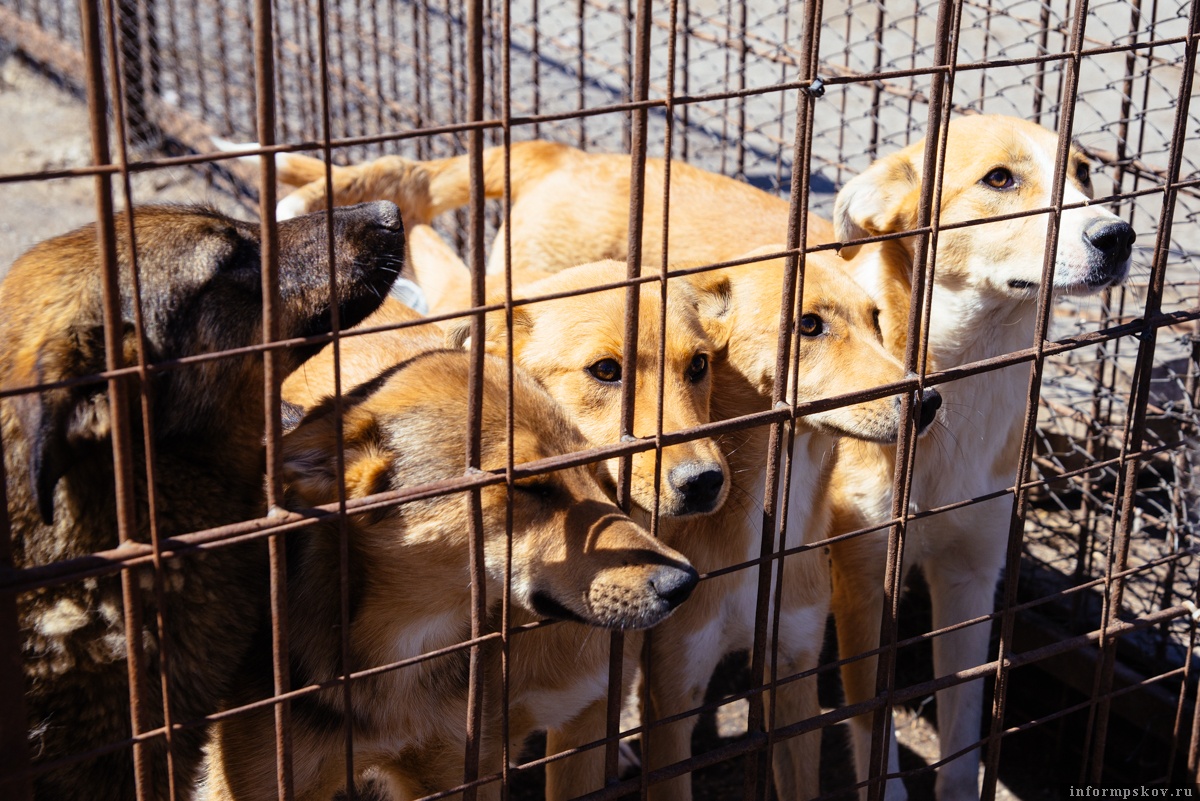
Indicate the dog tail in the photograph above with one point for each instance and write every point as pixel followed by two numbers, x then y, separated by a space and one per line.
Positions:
pixel 291 169
pixel 422 189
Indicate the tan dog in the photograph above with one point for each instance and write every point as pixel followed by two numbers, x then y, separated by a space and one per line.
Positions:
pixel 201 292
pixel 569 207
pixel 985 291
pixel 839 353
pixel 574 556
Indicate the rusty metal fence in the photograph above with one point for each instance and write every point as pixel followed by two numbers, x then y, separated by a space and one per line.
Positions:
pixel 1092 672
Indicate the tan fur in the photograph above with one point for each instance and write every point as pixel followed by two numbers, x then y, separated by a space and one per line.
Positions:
pixel 200 293
pixel 573 553
pixel 983 305
pixel 569 207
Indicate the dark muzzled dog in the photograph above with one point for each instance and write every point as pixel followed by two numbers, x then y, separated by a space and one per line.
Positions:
pixel 200 288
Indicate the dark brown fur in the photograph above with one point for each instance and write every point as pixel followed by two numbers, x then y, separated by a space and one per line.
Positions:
pixel 200 287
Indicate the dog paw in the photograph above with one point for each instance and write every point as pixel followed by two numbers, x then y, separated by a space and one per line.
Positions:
pixel 291 206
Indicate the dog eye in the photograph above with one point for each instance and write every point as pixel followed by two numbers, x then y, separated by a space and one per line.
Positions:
pixel 1083 174
pixel 607 370
pixel 999 178
pixel 875 320
pixel 537 487
pixel 698 367
pixel 811 325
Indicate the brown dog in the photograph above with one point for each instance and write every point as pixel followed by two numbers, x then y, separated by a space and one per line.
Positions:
pixel 574 556
pixel 201 292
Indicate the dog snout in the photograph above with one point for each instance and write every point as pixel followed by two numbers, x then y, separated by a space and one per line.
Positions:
pixel 700 485
pixel 931 401
pixel 383 214
pixel 1113 241
pixel 674 584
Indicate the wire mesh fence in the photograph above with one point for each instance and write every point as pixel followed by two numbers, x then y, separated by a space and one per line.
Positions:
pixel 1089 677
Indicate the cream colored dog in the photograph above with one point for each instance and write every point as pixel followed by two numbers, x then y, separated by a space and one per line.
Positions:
pixel 985 291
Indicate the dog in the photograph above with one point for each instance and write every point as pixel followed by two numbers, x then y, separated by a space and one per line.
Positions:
pixel 574 557
pixel 200 289
pixel 568 207
pixel 840 352
pixel 985 291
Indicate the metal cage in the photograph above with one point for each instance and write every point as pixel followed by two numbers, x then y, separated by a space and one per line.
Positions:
pixel 1091 680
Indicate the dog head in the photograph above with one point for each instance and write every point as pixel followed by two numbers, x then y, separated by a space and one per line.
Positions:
pixel 574 555
pixel 573 346
pixel 841 348
pixel 201 292
pixel 994 166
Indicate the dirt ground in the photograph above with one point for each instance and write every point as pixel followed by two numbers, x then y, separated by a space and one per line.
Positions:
pixel 46 127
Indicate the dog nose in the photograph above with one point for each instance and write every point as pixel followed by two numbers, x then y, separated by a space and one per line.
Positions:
pixel 383 214
pixel 931 401
pixel 700 485
pixel 1113 238
pixel 674 584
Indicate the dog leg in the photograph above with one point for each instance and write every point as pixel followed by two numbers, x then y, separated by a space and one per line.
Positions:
pixel 669 743
pixel 355 184
pixel 960 593
pixel 796 761
pixel 858 609
pixel 582 773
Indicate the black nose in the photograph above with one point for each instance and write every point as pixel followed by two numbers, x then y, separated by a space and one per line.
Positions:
pixel 931 401
pixel 674 584
pixel 1113 238
pixel 383 214
pixel 699 484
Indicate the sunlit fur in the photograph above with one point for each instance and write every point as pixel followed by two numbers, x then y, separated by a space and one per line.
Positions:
pixel 569 207
pixel 983 305
pixel 571 550
pixel 739 308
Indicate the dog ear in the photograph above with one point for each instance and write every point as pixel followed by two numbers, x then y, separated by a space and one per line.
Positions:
pixel 878 201
pixel 57 422
pixel 458 335
pixel 714 304
pixel 309 464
